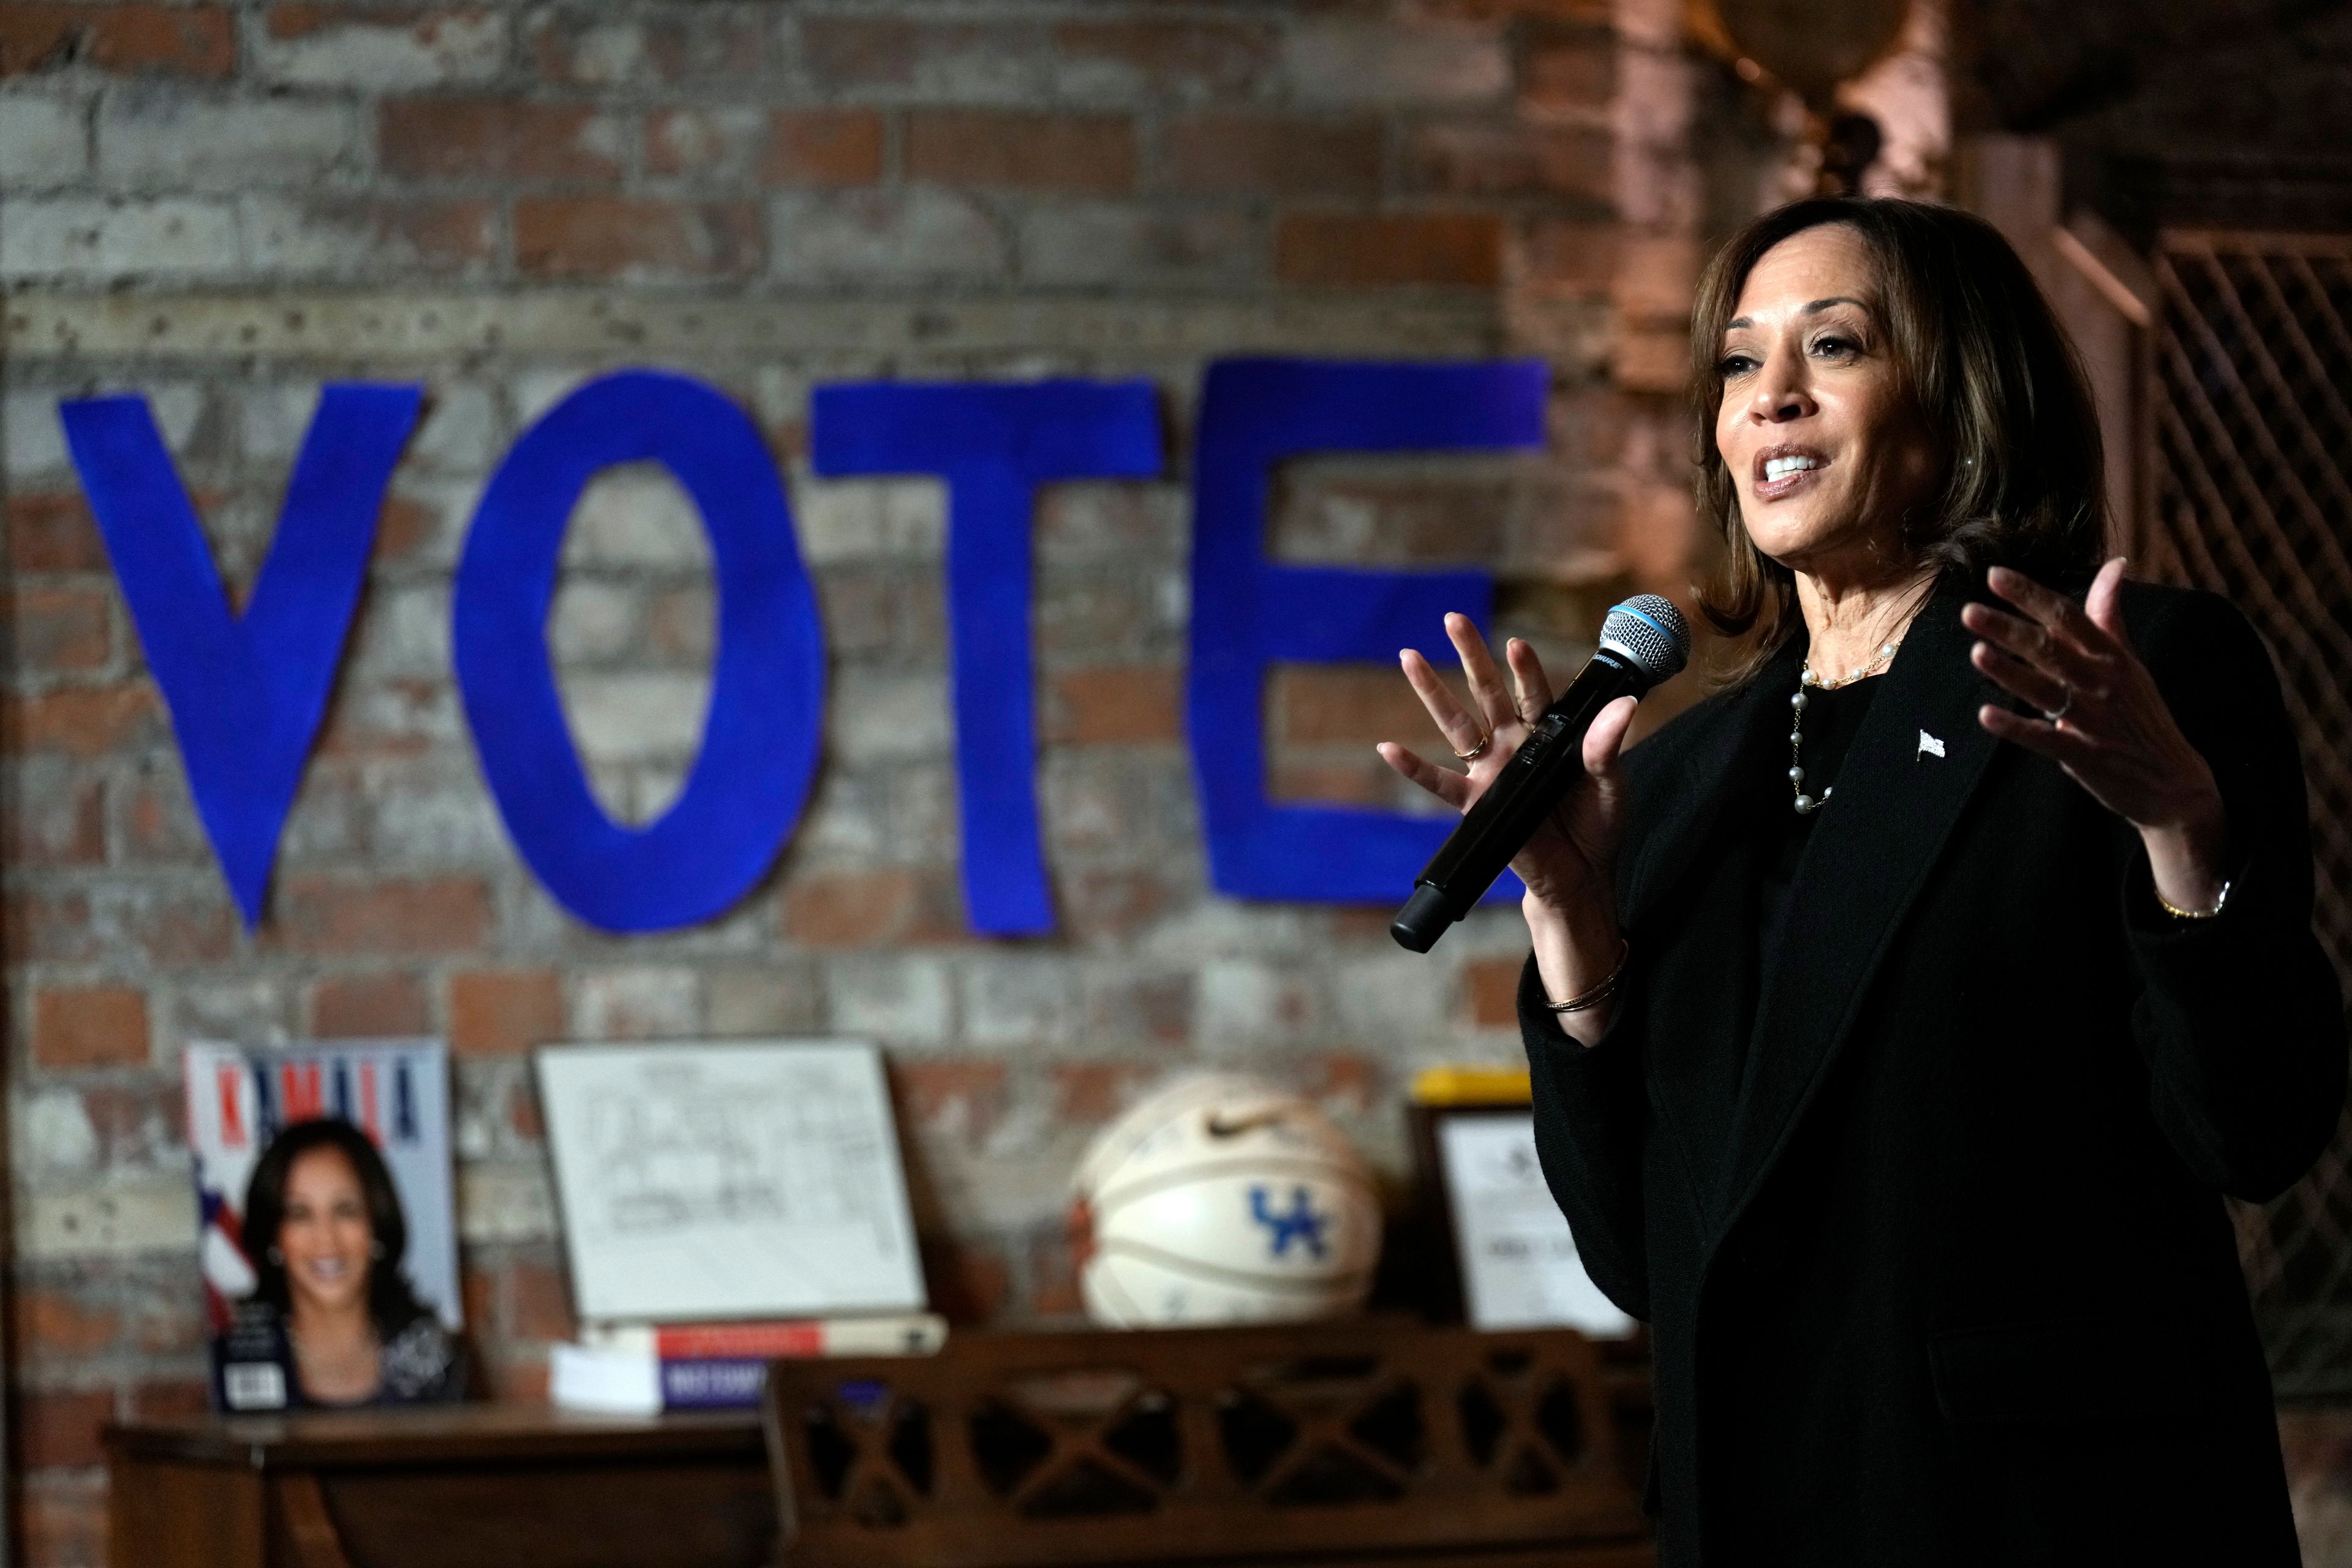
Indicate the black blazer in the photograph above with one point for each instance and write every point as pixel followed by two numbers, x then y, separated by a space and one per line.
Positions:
pixel 1948 1280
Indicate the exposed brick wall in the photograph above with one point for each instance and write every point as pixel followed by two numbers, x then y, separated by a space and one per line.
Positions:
pixel 220 205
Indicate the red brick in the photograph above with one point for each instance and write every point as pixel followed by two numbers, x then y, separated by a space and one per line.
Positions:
pixel 169 1401
pixel 1257 154
pixel 1053 1290
pixel 287 22
pixel 1367 782
pixel 427 235
pixel 539 1303
pixel 63 1516
pixel 679 624
pixel 857 52
pixel 64 826
pixel 1567 66
pixel 49 926
pixel 1106 902
pixel 970 1283
pixel 52 1323
pixel 1568 257
pixel 201 931
pixel 137 1123
pixel 1129 703
pixel 522 1112
pixel 1333 704
pixel 60 1430
pixel 1510 160
pixel 1360 922
pixel 1163 58
pixel 427 915
pixel 701 142
pixel 172 1322
pixel 519 1382
pixel 1456 518
pixel 831 147
pixel 672 45
pixel 90 1027
pixel 1658 275
pixel 494 138
pixel 1373 250
pixel 867 909
pixel 1342 1081
pixel 884 609
pixel 160 823
pixel 609 237
pixel 1505 10
pixel 477 1290
pixel 171 40
pixel 1157 1008
pixel 959 1098
pixel 502 1011
pixel 52 532
pixel 1491 987
pixel 83 721
pixel 351 1005
pixel 404 721
pixel 404 526
pixel 1093 154
pixel 61 629
pixel 1097 1091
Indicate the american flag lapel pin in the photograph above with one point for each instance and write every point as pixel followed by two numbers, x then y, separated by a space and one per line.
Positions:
pixel 1929 746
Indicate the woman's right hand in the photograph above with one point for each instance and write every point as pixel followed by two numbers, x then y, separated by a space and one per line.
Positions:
pixel 1568 864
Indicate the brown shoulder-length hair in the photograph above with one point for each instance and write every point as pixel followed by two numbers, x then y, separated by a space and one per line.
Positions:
pixel 1993 376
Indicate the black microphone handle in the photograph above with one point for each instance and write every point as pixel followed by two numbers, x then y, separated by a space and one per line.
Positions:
pixel 1545 767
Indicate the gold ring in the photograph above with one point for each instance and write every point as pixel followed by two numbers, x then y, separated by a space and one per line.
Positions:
pixel 1478 751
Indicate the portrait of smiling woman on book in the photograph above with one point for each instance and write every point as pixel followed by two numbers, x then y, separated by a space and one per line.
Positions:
pixel 331 1308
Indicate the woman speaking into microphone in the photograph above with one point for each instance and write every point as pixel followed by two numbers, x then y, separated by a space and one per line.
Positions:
pixel 1899 1016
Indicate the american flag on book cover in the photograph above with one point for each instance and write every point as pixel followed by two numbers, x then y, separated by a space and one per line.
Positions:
pixel 396 1091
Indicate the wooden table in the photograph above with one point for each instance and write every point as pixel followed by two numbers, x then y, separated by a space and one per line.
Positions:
pixel 456 1487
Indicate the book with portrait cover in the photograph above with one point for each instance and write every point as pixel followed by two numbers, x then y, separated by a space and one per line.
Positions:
pixel 327 1227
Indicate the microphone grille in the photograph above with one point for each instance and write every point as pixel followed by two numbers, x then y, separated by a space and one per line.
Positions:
pixel 1648 630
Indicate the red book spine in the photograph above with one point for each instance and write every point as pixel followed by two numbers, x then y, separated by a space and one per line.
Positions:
pixel 738 1341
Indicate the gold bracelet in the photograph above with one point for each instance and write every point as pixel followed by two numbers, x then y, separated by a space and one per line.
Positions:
pixel 2177 912
pixel 1601 993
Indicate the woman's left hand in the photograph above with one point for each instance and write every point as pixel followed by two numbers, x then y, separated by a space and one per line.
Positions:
pixel 2104 720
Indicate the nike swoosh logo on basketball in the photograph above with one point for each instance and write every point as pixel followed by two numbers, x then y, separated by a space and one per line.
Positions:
pixel 1220 1127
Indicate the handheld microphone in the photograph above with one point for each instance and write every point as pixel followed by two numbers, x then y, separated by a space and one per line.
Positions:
pixel 1642 642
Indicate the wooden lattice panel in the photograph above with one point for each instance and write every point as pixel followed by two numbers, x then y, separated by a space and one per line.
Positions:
pixel 2250 467
pixel 1356 1440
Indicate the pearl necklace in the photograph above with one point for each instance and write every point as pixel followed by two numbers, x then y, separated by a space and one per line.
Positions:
pixel 1807 804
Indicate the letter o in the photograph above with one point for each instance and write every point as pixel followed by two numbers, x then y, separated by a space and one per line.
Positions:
pixel 751 778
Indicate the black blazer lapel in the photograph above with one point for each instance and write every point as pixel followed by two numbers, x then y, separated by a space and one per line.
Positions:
pixel 1689 796
pixel 1734 740
pixel 1919 757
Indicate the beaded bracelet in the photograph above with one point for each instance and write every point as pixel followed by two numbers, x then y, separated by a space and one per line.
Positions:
pixel 1601 993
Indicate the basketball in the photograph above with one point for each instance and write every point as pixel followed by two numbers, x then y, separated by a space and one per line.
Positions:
pixel 1221 1199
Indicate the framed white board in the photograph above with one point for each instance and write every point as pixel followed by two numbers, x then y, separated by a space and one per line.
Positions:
pixel 728 1180
pixel 1519 1264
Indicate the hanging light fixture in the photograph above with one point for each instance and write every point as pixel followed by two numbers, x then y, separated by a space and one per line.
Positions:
pixel 1809 48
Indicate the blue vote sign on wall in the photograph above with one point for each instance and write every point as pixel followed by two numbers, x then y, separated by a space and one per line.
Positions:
pixel 247 692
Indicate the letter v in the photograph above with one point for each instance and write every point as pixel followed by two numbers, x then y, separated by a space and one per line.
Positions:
pixel 246 692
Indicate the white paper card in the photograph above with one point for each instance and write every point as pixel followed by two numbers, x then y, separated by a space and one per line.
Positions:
pixel 736 1180
pixel 1519 1267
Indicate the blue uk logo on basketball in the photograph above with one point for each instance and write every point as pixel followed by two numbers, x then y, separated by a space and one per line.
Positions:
pixel 1301 1224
